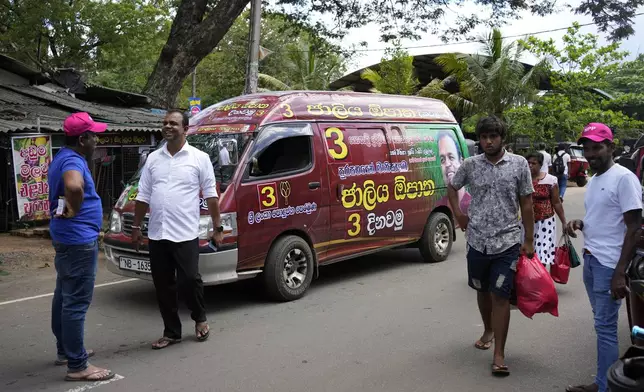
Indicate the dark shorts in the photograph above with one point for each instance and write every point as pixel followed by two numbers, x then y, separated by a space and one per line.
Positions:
pixel 492 273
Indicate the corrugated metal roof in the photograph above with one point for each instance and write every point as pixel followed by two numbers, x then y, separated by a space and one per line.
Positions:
pixel 22 106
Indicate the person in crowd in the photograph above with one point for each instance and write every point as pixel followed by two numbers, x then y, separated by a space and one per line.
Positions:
pixel 77 219
pixel 611 228
pixel 500 185
pixel 546 202
pixel 451 160
pixel 560 165
pixel 547 159
pixel 171 181
pixel 224 155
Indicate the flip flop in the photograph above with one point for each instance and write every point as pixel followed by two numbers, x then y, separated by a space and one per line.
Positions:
pixel 500 370
pixel 481 345
pixel 61 362
pixel 202 334
pixel 88 378
pixel 164 342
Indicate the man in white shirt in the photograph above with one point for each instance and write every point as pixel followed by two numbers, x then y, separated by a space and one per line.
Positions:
pixel 547 160
pixel 560 163
pixel 224 155
pixel 611 231
pixel 169 187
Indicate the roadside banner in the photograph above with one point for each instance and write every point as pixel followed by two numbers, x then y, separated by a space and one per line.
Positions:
pixel 31 158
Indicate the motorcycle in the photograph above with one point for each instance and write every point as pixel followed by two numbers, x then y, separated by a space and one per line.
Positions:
pixel 635 300
pixel 627 374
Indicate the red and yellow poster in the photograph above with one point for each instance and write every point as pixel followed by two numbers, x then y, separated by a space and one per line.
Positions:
pixel 31 158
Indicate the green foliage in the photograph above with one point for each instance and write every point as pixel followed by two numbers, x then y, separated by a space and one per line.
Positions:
pixel 628 78
pixel 85 34
pixel 576 72
pixel 305 66
pixel 490 82
pixel 395 74
pixel 300 59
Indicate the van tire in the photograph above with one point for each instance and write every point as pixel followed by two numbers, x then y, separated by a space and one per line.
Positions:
pixel 439 228
pixel 288 254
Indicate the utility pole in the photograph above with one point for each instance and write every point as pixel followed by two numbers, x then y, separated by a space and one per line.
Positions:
pixel 194 82
pixel 252 68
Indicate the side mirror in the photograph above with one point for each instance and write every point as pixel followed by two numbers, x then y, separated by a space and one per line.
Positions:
pixel 254 167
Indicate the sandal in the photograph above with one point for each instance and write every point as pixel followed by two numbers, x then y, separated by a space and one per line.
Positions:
pixel 61 362
pixel 500 370
pixel 89 378
pixel 164 342
pixel 481 345
pixel 202 334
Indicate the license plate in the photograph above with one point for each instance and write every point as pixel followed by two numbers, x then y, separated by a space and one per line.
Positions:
pixel 137 265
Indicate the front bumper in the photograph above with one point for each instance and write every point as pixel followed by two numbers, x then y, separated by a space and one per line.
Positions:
pixel 215 268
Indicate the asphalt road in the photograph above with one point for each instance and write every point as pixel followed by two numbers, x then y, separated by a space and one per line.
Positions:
pixel 382 323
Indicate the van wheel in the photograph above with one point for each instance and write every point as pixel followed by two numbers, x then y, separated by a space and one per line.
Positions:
pixel 288 270
pixel 436 242
pixel 581 182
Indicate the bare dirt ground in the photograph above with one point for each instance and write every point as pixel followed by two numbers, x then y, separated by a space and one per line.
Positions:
pixel 27 267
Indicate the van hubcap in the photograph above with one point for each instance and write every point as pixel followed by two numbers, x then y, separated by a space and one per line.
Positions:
pixel 295 268
pixel 441 237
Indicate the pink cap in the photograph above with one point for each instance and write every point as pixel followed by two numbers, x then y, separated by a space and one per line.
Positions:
pixel 596 132
pixel 79 123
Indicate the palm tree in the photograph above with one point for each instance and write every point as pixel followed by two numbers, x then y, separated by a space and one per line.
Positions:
pixel 489 83
pixel 395 74
pixel 304 70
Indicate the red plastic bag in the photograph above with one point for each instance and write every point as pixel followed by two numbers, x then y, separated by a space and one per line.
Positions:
pixel 560 269
pixel 535 288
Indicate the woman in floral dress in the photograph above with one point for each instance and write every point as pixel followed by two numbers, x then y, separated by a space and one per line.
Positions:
pixel 546 203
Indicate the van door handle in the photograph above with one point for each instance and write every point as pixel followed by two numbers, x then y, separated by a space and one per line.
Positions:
pixel 314 185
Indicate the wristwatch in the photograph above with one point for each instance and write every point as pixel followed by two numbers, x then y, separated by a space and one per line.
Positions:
pixel 219 229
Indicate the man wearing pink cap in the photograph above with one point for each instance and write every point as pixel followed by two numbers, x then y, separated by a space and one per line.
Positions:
pixel 77 219
pixel 611 229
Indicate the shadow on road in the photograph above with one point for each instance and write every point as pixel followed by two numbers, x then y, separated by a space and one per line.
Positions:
pixel 249 293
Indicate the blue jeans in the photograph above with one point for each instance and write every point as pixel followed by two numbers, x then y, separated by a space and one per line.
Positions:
pixel 597 279
pixel 76 272
pixel 563 184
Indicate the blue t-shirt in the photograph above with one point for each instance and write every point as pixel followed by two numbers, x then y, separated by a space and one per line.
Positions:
pixel 84 227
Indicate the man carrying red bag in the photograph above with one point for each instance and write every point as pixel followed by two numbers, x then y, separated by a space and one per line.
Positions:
pixel 613 203
pixel 500 184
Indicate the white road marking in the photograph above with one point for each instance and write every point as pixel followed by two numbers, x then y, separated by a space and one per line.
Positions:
pixel 13 301
pixel 95 384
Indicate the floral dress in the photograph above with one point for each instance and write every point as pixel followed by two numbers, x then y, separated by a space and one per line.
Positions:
pixel 545 225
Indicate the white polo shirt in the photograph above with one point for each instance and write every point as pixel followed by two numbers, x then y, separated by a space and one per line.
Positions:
pixel 171 186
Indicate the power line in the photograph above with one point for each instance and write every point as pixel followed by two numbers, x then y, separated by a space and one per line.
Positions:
pixel 472 41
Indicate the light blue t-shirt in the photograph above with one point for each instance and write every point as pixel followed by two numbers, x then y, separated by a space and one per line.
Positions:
pixel 608 197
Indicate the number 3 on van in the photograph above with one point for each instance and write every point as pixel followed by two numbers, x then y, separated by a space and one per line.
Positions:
pixel 267 195
pixel 338 149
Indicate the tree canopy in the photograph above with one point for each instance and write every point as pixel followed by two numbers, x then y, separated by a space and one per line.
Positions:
pixel 88 34
pixel 489 82
pixel 580 73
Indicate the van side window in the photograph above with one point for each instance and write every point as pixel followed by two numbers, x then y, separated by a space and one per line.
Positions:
pixel 284 156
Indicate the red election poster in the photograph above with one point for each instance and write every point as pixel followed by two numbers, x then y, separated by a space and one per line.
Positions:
pixel 31 158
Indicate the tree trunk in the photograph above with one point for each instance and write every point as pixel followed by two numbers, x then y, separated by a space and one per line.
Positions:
pixel 191 39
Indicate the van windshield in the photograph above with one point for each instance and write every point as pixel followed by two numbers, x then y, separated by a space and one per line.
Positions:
pixel 224 149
